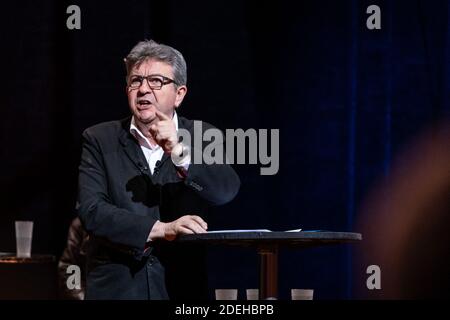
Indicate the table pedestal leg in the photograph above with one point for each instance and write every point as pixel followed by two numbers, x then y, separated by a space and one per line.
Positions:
pixel 268 285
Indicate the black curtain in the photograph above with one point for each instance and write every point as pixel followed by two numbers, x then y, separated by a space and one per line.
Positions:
pixel 345 99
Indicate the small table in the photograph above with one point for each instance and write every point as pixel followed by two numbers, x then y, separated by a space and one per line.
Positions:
pixel 28 278
pixel 267 245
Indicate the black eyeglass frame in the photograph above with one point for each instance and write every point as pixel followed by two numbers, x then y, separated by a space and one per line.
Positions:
pixel 164 80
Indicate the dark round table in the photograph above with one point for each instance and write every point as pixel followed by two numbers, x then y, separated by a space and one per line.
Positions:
pixel 267 245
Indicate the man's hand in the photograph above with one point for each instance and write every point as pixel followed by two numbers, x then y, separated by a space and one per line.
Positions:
pixel 164 132
pixel 185 225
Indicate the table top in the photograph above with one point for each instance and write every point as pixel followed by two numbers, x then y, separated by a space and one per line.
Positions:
pixel 8 257
pixel 261 238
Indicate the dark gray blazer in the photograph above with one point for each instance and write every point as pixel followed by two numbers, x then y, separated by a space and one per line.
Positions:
pixel 119 200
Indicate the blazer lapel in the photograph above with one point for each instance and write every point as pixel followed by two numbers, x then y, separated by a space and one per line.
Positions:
pixel 132 148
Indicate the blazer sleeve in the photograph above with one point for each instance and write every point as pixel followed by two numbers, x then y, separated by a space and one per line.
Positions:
pixel 217 183
pixel 119 227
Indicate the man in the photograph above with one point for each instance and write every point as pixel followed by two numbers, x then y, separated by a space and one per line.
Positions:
pixel 138 190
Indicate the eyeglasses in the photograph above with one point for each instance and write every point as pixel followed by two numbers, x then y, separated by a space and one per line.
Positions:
pixel 155 82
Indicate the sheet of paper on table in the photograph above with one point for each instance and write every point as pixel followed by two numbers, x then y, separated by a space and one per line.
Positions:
pixel 251 230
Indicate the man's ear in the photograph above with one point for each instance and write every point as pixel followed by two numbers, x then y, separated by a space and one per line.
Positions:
pixel 181 92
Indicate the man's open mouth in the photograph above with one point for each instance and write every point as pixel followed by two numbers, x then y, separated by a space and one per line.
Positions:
pixel 144 103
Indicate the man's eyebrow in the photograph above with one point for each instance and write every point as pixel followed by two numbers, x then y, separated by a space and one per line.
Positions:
pixel 150 75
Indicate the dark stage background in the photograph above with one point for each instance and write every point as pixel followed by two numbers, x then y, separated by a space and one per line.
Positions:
pixel 346 99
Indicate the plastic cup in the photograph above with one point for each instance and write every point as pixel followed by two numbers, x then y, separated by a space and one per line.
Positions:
pixel 226 294
pixel 24 236
pixel 252 294
pixel 302 294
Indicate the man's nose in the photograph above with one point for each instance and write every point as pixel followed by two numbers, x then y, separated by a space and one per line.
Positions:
pixel 144 88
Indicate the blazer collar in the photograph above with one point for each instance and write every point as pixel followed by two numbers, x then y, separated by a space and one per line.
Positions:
pixel 131 147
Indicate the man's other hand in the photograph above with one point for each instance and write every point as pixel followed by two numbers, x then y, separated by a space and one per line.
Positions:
pixel 185 225
pixel 188 224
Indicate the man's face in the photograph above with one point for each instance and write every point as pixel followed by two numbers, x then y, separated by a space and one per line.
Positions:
pixel 144 101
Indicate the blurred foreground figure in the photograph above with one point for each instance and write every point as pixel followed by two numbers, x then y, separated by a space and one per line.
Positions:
pixel 73 254
pixel 406 222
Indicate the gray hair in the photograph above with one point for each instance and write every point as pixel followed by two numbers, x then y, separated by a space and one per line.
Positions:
pixel 150 49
